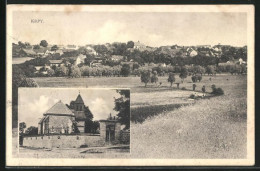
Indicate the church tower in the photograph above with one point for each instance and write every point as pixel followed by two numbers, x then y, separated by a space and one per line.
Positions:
pixel 79 104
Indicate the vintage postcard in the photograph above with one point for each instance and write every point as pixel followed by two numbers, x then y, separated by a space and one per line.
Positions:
pixel 130 85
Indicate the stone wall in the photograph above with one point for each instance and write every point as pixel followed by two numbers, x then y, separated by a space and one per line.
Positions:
pixel 63 141
pixel 125 137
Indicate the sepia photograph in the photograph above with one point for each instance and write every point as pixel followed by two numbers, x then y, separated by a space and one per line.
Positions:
pixel 190 71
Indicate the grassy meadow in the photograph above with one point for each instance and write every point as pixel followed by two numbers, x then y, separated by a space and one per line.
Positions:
pixel 167 124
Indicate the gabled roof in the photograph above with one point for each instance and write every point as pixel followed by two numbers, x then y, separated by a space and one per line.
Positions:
pixel 79 99
pixel 29 51
pixel 41 50
pixel 59 109
pixel 55 61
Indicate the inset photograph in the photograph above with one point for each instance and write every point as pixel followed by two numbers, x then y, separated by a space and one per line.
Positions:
pixel 69 122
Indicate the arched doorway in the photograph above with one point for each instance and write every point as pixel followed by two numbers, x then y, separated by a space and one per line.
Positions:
pixel 110 133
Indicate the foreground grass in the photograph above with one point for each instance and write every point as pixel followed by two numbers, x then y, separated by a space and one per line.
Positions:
pixel 211 128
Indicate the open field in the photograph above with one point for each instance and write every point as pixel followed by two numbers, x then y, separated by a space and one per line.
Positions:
pixel 172 126
pixel 20 60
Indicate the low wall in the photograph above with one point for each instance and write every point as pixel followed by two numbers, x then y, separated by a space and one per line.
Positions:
pixel 63 141
pixel 125 137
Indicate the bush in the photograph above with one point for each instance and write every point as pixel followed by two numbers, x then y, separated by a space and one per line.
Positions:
pixel 199 77
pixel 218 91
pixel 194 78
pixel 83 146
pixel 192 96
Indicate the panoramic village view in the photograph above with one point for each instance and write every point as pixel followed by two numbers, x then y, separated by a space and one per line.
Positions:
pixel 187 75
pixel 161 79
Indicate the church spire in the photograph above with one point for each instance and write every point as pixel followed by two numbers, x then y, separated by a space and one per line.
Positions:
pixel 79 99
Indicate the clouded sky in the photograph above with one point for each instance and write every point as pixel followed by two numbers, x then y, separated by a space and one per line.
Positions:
pixel 153 29
pixel 33 102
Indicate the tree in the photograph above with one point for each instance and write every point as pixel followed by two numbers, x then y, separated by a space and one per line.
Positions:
pixel 54 48
pixel 44 43
pixel 171 78
pixel 75 127
pixel 125 70
pixel 203 90
pixel 101 49
pixel 75 72
pixel 50 72
pixel 145 77
pixel 85 71
pixel 122 105
pixel 22 126
pixel 194 78
pixel 199 77
pixel 61 71
pixel 135 66
pixel 130 44
pixel 36 47
pixel 210 70
pixel 194 87
pixel 32 130
pixel 21 44
pixel 154 78
pixel 184 73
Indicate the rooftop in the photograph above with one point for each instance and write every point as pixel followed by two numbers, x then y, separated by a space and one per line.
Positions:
pixel 55 61
pixel 79 99
pixel 59 109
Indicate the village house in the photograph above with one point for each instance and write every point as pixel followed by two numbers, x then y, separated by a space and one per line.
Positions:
pixel 71 47
pixel 59 51
pixel 191 52
pixel 80 59
pixel 117 58
pixel 91 50
pixel 56 63
pixel 138 45
pixel 27 52
pixel 96 62
pixel 41 52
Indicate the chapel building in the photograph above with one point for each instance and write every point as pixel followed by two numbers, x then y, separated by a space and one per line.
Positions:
pixel 57 120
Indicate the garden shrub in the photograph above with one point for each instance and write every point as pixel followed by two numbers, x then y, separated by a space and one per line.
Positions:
pixel 83 146
pixel 217 91
pixel 192 96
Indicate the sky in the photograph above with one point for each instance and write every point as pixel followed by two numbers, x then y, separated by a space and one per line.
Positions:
pixel 33 102
pixel 151 28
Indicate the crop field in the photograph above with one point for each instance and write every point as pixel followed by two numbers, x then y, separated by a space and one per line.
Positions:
pixel 167 124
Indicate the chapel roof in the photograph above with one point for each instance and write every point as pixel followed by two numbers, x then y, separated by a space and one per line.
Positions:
pixel 59 109
pixel 79 99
